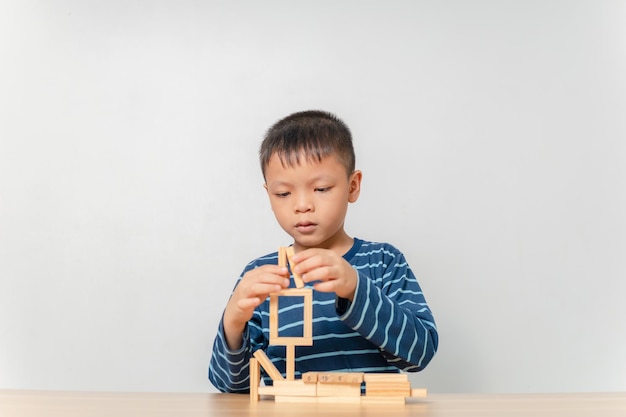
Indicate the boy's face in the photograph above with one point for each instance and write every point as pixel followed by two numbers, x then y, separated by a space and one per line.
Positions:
pixel 310 201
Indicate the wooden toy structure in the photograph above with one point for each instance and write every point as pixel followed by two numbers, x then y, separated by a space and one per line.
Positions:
pixel 331 387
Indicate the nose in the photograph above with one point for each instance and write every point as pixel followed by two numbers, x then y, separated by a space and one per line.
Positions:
pixel 303 203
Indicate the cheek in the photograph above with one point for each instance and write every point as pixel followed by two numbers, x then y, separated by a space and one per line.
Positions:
pixel 279 210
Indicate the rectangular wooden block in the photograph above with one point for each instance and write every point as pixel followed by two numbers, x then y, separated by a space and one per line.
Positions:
pixel 338 390
pixel 290 356
pixel 295 388
pixel 384 388
pixel 266 390
pixel 383 400
pixel 267 364
pixel 295 399
pixel 419 392
pixel 297 279
pixel 282 256
pixel 310 377
pixel 340 377
pixel 386 377
pixel 307 337
pixel 255 376
pixel 340 400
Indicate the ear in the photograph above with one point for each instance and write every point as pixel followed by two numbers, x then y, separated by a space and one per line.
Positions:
pixel 268 195
pixel 355 186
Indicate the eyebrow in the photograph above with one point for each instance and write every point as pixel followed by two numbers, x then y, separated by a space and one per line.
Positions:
pixel 278 184
pixel 323 178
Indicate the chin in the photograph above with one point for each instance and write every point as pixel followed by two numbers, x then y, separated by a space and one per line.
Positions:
pixel 308 242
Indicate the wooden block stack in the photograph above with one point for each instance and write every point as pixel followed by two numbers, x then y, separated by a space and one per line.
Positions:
pixel 386 388
pixel 335 387
pixel 332 386
pixel 341 387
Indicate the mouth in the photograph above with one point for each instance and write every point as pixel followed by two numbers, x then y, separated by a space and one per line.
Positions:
pixel 305 226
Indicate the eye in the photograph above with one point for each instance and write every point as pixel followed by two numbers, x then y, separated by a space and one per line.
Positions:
pixel 322 189
pixel 282 195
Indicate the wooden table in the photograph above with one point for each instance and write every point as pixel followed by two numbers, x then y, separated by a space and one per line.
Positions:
pixel 15 403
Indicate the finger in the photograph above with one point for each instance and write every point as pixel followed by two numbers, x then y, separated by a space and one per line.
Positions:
pixel 263 289
pixel 325 286
pixel 248 303
pixel 311 264
pixel 265 277
pixel 278 270
pixel 270 270
pixel 306 254
pixel 324 273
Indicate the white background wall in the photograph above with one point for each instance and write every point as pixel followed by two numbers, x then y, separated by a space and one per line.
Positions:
pixel 491 135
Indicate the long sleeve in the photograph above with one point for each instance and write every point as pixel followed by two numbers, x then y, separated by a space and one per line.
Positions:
pixel 389 309
pixel 229 370
pixel 387 327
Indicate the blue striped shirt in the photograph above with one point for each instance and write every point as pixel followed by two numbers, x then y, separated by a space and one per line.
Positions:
pixel 386 328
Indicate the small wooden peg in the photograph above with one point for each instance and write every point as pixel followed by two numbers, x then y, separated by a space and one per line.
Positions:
pixel 267 364
pixel 282 256
pixel 297 279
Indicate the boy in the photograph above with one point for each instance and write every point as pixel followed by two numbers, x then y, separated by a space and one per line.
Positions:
pixel 369 313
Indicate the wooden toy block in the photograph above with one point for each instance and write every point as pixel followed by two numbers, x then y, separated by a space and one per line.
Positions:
pixel 419 392
pixel 310 377
pixel 390 377
pixel 316 400
pixel 307 338
pixel 333 377
pixel 282 256
pixel 290 351
pixel 295 399
pixel 338 390
pixel 266 390
pixel 340 400
pixel 297 279
pixel 267 364
pixel 387 389
pixel 295 388
pixel 383 400
pixel 340 377
pixel 255 377
pixel 318 387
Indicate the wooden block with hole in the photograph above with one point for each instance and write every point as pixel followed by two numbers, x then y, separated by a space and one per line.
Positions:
pixel 307 321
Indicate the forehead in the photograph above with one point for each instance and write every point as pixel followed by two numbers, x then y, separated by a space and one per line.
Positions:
pixel 303 168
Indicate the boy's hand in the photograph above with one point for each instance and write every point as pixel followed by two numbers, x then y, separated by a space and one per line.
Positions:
pixel 333 273
pixel 254 287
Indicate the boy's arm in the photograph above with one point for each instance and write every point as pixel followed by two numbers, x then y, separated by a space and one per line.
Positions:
pixel 390 310
pixel 229 365
pixel 228 369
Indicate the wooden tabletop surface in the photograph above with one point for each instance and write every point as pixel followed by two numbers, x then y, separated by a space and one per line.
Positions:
pixel 18 403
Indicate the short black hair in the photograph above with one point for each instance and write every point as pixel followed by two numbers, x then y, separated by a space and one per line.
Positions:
pixel 314 133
